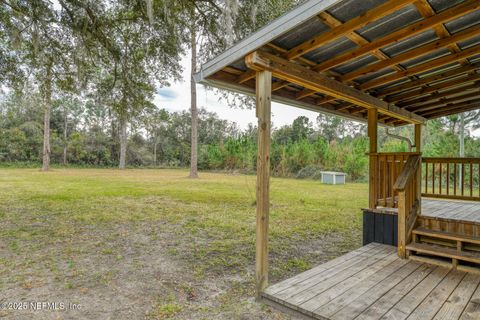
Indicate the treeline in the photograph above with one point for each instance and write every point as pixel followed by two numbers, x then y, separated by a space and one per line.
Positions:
pixel 86 134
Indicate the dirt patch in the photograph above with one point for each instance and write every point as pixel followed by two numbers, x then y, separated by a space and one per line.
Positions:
pixel 132 272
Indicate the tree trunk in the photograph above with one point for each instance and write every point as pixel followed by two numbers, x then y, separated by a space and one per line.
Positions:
pixel 193 99
pixel 123 142
pixel 155 151
pixel 47 98
pixel 65 123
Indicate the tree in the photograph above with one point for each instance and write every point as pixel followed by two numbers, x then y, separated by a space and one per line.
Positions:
pixel 193 100
pixel 136 47
pixel 42 46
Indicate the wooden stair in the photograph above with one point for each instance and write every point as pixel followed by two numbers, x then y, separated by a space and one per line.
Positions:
pixel 447 249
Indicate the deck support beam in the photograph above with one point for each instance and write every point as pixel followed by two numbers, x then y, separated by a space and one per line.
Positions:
pixel 372 135
pixel 263 112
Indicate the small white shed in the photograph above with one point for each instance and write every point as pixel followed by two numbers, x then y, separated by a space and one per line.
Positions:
pixel 332 177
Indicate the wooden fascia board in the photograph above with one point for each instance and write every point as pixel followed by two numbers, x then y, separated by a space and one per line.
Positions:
pixel 292 72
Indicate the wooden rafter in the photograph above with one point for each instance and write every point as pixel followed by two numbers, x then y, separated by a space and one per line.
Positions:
pixel 295 73
pixel 355 37
pixel 435 77
pixel 431 88
pixel 440 95
pixel 426 66
pixel 442 102
pixel 409 31
pixel 424 7
pixel 452 108
pixel 417 52
pixel 352 25
pixel 287 93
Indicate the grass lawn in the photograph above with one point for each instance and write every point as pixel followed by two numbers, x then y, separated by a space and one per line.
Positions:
pixel 153 244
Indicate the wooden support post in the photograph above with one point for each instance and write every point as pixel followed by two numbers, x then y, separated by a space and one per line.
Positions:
pixel 418 148
pixel 418 137
pixel 372 135
pixel 263 110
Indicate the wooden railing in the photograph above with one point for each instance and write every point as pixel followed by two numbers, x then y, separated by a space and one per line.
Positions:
pixel 386 169
pixel 407 185
pixel 451 178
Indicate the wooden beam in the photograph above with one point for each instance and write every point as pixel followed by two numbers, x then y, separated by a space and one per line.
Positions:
pixel 373 139
pixel 279 85
pixel 248 75
pixel 426 66
pixel 427 11
pixel 447 112
pixel 355 37
pixel 459 107
pixel 437 76
pixel 441 102
pixel 412 54
pixel 307 78
pixel 409 31
pixel 324 100
pixel 353 24
pixel 439 95
pixel 408 96
pixel 418 137
pixel 263 112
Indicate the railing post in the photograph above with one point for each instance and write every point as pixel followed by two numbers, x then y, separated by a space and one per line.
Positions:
pixel 418 147
pixel 402 221
pixel 372 135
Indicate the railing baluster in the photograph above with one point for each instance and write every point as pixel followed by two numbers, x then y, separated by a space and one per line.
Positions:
pixel 440 180
pixel 455 178
pixel 471 179
pixel 463 179
pixel 448 178
pixel 433 177
pixel 426 177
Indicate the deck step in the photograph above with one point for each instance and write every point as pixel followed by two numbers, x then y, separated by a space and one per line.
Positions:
pixel 446 235
pixel 444 252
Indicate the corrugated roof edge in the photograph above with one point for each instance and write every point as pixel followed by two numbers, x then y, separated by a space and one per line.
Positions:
pixel 271 31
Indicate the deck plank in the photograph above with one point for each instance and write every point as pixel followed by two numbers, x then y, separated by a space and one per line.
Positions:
pixel 409 302
pixel 388 265
pixel 302 291
pixel 435 300
pixel 458 300
pixel 398 302
pixel 321 268
pixel 372 283
pixel 472 311
pixel 359 305
pixel 398 270
pixel 318 288
pixel 451 209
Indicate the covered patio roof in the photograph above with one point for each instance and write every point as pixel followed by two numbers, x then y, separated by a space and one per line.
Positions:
pixel 412 60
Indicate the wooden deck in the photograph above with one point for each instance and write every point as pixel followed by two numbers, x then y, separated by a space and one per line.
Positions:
pixel 451 209
pixel 373 283
pixel 461 210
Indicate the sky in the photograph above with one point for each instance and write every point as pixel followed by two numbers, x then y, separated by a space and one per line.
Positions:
pixel 177 98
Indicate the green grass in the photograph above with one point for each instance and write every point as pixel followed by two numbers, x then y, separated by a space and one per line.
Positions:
pixel 68 217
